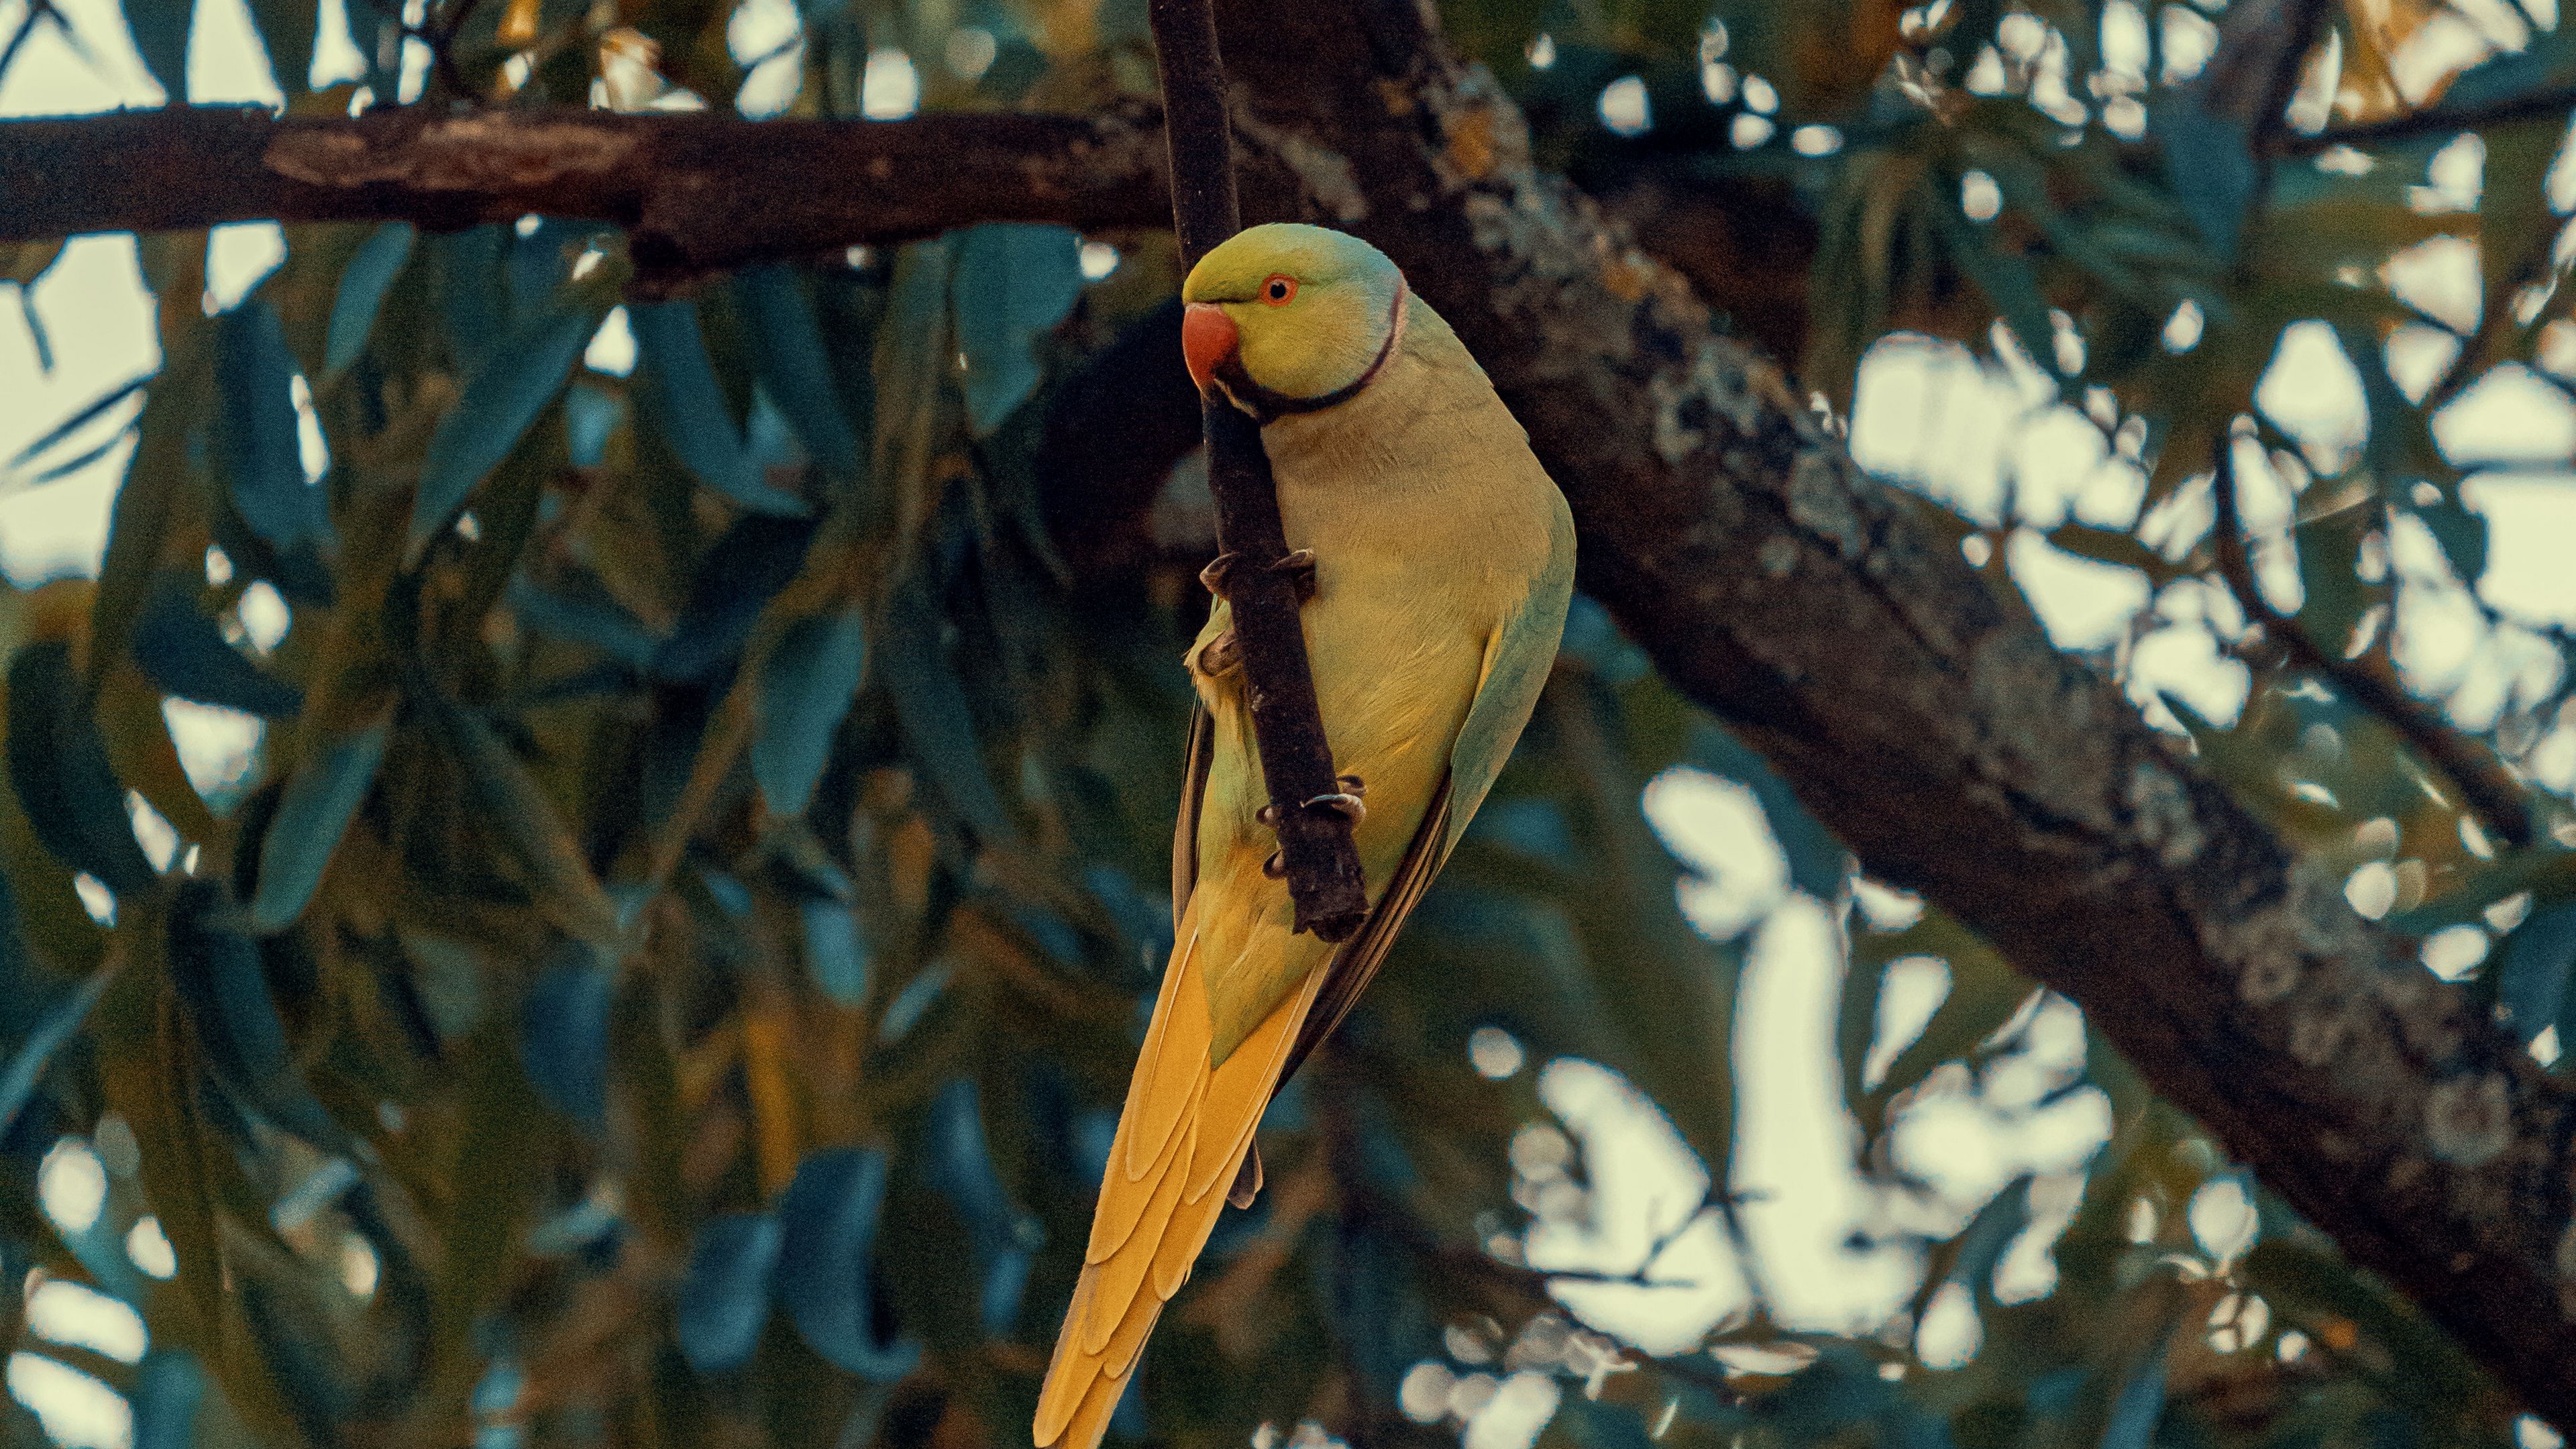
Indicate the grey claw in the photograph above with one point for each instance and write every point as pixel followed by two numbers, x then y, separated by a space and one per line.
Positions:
pixel 1214 574
pixel 1347 804
pixel 1299 565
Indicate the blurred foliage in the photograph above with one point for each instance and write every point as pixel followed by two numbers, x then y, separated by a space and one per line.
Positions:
pixel 667 970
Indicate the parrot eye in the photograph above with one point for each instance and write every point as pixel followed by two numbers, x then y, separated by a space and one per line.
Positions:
pixel 1278 289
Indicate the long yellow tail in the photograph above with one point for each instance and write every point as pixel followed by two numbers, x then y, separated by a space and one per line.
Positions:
pixel 1181 1140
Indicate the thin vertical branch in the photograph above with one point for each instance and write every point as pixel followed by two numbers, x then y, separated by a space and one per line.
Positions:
pixel 2487 789
pixel 1320 860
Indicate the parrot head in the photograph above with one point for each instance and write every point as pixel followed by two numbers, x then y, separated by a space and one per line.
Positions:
pixel 1289 318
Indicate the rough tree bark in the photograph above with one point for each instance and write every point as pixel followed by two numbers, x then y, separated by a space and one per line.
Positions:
pixel 1316 851
pixel 695 193
pixel 1929 722
pixel 1918 713
pixel 679 184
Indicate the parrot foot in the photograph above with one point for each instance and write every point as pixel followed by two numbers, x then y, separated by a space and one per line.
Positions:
pixel 1299 565
pixel 1276 867
pixel 1347 803
pixel 1247 1183
pixel 1222 656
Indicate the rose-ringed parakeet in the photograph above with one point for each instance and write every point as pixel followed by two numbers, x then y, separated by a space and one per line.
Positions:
pixel 1443 560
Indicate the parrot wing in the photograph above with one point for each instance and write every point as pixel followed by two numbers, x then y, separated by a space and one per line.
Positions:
pixel 1355 965
pixel 1517 660
pixel 1195 759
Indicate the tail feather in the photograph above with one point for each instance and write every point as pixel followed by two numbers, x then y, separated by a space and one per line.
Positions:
pixel 1115 1223
pixel 1191 1128
pixel 1091 1420
pixel 1127 1270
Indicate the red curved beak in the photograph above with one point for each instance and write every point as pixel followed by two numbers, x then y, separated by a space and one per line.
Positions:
pixel 1208 338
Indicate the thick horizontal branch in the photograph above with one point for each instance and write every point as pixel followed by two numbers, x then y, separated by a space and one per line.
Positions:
pixel 696 192
pixel 1926 718
pixel 702 192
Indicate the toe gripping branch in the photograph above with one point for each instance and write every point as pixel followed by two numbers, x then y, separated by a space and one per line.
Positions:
pixel 1344 802
pixel 1321 822
pixel 1299 566
pixel 1317 853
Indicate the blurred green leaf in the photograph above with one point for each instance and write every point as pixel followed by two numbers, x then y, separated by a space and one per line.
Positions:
pixel 723 1299
pixel 2008 282
pixel 60 771
pixel 597 622
pixel 2210 162
pixel 746 568
pixel 160 29
pixel 563 1035
pixel 262 453
pixel 836 950
pixel 216 967
pixel 157 497
pixel 363 285
pixel 1005 1237
pixel 183 653
pixel 2141 1402
pixel 499 404
pixel 322 796
pixel 35 1051
pixel 828 1224
pixel 525 822
pixel 166 1400
pixel 688 406
pixel 806 688
pixel 2531 985
pixel 795 366
pixel 935 715
pixel 1014 283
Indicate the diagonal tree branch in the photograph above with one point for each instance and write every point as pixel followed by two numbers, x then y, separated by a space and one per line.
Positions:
pixel 1928 720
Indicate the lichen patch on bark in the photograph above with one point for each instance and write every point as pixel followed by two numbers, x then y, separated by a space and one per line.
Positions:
pixel 2468 1120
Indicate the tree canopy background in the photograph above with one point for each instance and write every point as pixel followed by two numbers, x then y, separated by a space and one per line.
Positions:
pixel 585 864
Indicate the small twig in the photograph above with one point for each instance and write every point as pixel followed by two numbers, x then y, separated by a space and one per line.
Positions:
pixel 2553 103
pixel 2275 49
pixel 434 39
pixel 453 24
pixel 1316 853
pixel 2486 789
pixel 2477 352
pixel 2263 46
pixel 39 10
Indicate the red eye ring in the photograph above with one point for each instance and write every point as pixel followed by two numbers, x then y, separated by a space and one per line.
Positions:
pixel 1278 289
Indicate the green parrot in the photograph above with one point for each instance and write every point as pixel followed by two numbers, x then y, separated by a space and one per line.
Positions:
pixel 1443 562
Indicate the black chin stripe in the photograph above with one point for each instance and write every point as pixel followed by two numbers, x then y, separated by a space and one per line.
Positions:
pixel 1269 405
